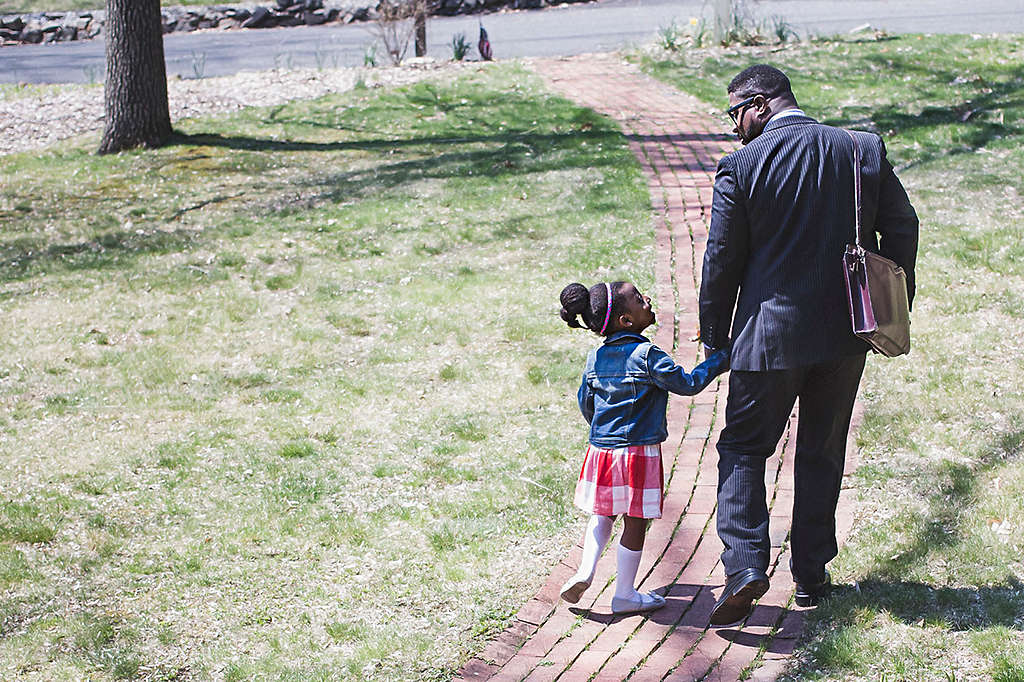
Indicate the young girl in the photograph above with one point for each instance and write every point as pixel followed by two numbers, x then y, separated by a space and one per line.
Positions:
pixel 624 395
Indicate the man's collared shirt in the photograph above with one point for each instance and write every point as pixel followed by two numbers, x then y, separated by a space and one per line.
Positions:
pixel 787 112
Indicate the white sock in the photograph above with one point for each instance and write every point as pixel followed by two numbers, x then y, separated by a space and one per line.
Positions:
pixel 629 562
pixel 595 537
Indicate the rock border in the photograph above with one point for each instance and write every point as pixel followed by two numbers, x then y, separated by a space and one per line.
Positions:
pixel 54 27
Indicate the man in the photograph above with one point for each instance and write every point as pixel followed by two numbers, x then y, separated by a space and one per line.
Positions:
pixel 782 214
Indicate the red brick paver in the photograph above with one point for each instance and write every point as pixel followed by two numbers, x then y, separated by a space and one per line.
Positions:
pixel 678 145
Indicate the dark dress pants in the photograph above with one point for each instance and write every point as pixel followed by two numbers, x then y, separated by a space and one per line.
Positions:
pixel 758 407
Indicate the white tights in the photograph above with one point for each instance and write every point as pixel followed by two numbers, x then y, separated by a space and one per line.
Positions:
pixel 596 536
pixel 599 531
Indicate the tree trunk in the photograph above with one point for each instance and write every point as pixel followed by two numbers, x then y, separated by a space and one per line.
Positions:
pixel 421 30
pixel 135 94
pixel 723 19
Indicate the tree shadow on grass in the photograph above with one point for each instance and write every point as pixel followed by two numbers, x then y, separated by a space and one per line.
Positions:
pixel 974 132
pixel 948 506
pixel 959 609
pixel 22 258
pixel 485 155
pixel 840 631
pixel 837 624
pixel 501 155
pixel 535 141
pixel 515 154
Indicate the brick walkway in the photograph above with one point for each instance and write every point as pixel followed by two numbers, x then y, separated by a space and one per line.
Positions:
pixel 678 147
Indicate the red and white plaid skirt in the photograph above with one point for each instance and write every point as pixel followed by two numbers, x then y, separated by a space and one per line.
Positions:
pixel 622 481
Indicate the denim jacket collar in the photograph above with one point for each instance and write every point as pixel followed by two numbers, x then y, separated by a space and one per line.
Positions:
pixel 624 336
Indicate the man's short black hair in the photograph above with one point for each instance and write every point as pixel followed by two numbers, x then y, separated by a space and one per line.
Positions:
pixel 760 79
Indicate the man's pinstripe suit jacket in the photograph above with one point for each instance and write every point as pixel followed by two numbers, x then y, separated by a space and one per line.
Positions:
pixel 782 214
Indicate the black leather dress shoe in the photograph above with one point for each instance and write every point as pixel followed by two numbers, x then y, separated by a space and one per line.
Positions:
pixel 741 589
pixel 810 595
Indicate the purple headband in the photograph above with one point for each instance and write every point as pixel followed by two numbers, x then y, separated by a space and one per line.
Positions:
pixel 608 314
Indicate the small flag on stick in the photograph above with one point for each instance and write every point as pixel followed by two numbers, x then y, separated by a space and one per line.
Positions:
pixel 484 45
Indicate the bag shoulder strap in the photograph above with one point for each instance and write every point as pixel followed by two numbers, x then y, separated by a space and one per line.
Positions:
pixel 856 184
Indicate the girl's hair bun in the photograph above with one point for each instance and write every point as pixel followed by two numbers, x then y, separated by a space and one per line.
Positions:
pixel 575 299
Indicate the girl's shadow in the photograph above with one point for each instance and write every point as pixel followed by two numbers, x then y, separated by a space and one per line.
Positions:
pixel 690 606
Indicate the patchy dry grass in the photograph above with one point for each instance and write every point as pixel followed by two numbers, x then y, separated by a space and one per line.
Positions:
pixel 13 91
pixel 288 398
pixel 933 574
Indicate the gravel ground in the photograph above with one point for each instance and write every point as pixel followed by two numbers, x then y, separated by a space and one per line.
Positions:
pixel 32 121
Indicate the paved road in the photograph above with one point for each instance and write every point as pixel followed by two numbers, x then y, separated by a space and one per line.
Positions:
pixel 566 30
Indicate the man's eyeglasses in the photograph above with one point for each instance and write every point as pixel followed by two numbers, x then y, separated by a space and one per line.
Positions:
pixel 734 110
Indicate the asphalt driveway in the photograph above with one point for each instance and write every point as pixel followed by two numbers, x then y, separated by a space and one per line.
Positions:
pixel 561 31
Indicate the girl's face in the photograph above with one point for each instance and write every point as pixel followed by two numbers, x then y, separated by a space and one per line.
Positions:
pixel 636 313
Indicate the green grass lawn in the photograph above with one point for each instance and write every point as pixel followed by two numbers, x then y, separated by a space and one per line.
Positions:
pixel 932 575
pixel 290 397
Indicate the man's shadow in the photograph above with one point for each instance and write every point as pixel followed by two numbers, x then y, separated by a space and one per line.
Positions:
pixel 689 605
pixel 768 628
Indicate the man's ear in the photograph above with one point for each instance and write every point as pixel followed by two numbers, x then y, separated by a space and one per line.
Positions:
pixel 762 108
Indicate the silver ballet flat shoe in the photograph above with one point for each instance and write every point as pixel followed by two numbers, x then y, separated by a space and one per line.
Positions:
pixel 640 604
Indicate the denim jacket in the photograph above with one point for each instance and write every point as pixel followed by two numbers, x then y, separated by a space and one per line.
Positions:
pixel 624 392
